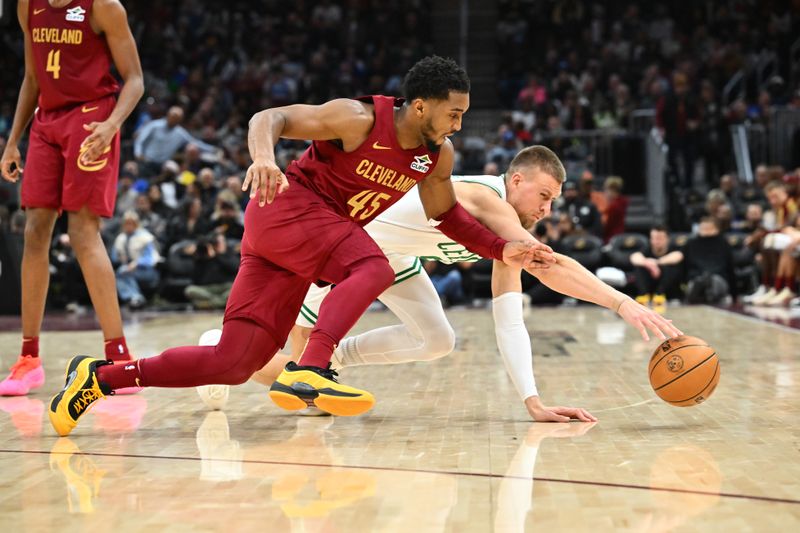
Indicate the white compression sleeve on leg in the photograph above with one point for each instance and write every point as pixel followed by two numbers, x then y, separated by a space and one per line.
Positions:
pixel 424 335
pixel 514 343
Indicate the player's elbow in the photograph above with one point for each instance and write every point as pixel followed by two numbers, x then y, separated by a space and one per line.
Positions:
pixel 136 82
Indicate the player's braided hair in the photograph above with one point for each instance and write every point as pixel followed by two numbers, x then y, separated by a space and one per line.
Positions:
pixel 435 77
pixel 541 157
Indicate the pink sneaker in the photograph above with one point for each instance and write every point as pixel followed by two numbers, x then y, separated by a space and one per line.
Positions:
pixel 26 374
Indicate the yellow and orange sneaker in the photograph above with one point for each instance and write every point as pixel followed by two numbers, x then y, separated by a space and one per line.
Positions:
pixel 299 387
pixel 79 393
pixel 26 374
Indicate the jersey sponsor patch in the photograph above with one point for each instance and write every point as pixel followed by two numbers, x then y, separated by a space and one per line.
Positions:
pixel 76 14
pixel 421 163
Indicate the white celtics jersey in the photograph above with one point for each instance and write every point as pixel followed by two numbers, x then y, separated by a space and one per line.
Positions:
pixel 404 228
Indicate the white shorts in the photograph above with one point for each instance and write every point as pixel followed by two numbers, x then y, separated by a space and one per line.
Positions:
pixel 405 267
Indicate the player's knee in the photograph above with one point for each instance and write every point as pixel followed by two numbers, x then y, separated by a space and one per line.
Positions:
pixel 439 342
pixel 37 234
pixel 379 272
pixel 83 237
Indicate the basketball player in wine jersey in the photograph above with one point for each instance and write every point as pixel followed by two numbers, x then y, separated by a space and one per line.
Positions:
pixel 73 156
pixel 365 155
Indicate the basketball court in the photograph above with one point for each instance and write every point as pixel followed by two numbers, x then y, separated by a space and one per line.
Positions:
pixel 448 446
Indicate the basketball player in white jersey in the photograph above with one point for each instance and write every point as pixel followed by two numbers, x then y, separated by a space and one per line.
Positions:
pixel 509 205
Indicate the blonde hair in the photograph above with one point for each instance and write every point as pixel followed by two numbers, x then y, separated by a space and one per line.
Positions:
pixel 540 157
pixel 614 183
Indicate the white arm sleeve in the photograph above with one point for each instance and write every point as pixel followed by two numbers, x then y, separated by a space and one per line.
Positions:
pixel 514 343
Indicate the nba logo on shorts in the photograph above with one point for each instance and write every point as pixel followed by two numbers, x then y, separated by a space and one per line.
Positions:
pixel 130 367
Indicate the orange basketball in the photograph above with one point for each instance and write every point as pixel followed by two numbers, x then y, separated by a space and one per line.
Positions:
pixel 684 371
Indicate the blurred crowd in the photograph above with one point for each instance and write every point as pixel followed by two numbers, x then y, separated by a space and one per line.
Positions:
pixel 597 62
pixel 176 232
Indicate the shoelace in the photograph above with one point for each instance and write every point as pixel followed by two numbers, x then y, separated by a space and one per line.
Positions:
pixel 330 374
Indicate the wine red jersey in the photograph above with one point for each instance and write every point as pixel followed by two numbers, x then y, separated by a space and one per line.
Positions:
pixel 72 62
pixel 363 183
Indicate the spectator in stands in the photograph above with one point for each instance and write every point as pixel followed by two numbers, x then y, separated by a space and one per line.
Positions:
pixel 160 139
pixel 678 116
pixel 587 192
pixel 215 268
pixel 188 222
pixel 729 187
pixel 148 219
pixel 783 210
pixel 617 206
pixel 565 225
pixel 207 187
pixel 157 204
pixel 136 254
pixel 227 218
pixel 788 244
pixel 505 149
pixel 126 194
pixel 659 269
pixel 583 213
pixel 724 217
pixel 234 185
pixel 751 223
pixel 708 260
pixel 712 134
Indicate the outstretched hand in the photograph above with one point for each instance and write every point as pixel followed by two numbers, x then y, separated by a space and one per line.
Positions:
pixel 643 318
pixel 530 254
pixel 541 413
pixel 265 179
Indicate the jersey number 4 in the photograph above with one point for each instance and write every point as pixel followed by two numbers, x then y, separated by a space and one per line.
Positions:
pixel 54 62
pixel 365 204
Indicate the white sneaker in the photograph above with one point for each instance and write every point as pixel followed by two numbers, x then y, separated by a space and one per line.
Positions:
pixel 782 298
pixel 761 291
pixel 213 396
pixel 764 298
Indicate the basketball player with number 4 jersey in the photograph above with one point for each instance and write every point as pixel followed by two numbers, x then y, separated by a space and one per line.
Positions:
pixel 365 155
pixel 509 205
pixel 73 156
